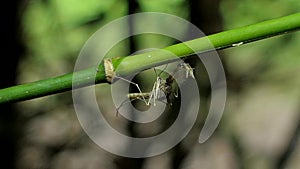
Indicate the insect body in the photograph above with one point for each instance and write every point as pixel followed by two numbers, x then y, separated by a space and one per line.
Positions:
pixel 162 88
pixel 159 90
pixel 133 96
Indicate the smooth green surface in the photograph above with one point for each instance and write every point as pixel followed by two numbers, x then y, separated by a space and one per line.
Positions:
pixel 50 86
pixel 128 65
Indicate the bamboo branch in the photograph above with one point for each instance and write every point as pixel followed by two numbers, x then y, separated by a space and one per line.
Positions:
pixel 128 65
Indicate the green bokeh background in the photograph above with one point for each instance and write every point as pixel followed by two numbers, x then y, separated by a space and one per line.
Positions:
pixel 262 109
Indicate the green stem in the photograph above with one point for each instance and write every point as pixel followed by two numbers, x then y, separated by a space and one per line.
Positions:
pixel 128 65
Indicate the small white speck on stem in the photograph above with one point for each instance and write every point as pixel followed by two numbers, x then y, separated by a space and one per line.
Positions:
pixel 237 44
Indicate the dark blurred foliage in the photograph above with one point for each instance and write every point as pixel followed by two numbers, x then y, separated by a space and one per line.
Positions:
pixel 12 50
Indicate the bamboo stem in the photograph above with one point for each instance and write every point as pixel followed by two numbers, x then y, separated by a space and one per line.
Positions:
pixel 128 65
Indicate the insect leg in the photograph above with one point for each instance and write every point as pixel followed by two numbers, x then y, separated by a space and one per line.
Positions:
pixel 188 70
pixel 137 86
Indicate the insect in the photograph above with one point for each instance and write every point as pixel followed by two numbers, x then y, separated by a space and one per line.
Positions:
pixel 161 89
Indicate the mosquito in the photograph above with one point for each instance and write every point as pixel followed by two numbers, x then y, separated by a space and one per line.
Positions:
pixel 162 88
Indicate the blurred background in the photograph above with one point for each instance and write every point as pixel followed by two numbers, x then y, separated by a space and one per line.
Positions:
pixel 260 127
